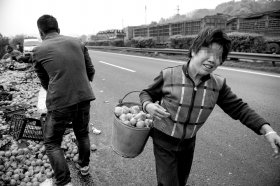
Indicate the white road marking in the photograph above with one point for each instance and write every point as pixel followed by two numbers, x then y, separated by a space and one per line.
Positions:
pixel 141 57
pixel 249 72
pixel 182 62
pixel 117 66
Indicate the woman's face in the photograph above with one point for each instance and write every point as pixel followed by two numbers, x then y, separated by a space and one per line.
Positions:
pixel 207 59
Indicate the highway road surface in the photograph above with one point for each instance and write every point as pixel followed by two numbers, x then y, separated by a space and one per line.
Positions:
pixel 227 153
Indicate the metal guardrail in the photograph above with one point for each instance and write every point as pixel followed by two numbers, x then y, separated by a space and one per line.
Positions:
pixel 255 56
pixel 238 55
pixel 147 50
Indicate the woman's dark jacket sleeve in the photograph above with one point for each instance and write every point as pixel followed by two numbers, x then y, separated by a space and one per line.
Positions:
pixel 239 110
pixel 154 92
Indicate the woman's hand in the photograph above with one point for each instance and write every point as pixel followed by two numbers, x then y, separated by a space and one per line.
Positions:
pixel 273 138
pixel 274 141
pixel 157 111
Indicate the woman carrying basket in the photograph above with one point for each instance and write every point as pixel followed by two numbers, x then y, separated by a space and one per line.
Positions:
pixel 187 95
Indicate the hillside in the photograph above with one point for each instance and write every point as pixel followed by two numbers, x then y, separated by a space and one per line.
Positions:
pixel 231 8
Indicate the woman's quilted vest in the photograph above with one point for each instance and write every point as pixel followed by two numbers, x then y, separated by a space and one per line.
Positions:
pixel 189 106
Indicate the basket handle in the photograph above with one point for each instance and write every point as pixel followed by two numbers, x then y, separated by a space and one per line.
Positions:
pixel 121 100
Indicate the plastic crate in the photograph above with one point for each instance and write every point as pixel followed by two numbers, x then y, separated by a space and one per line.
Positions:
pixel 5 143
pixel 5 96
pixel 25 128
pixel 9 111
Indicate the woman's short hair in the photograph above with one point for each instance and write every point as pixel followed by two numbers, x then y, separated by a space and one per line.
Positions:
pixel 47 23
pixel 207 37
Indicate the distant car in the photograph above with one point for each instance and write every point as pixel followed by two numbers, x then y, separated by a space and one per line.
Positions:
pixel 29 45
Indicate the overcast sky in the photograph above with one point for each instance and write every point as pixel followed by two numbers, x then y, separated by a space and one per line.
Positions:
pixel 77 17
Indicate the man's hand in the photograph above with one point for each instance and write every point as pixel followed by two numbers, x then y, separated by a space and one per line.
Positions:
pixel 157 111
pixel 274 141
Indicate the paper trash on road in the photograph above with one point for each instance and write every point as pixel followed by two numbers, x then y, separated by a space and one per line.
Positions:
pixel 95 130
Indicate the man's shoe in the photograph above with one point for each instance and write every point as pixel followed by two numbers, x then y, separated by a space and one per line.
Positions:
pixel 50 182
pixel 47 182
pixel 69 184
pixel 83 170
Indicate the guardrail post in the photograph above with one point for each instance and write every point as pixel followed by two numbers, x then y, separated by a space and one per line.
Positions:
pixel 273 62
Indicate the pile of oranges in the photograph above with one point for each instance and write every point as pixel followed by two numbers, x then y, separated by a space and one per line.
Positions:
pixel 29 165
pixel 133 116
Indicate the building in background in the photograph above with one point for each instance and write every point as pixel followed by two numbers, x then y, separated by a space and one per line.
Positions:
pixel 161 32
pixel 264 23
pixel 111 34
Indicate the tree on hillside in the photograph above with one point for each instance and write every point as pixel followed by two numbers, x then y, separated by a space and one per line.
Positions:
pixel 200 13
pixel 3 42
pixel 154 23
pixel 162 20
pixel 232 8
pixel 17 40
pixel 83 38
pixel 272 5
pixel 174 18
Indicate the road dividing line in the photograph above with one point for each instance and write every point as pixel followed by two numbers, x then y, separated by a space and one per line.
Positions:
pixel 117 66
pixel 144 57
pixel 182 62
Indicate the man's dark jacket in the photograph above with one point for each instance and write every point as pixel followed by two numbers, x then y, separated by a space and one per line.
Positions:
pixel 65 70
